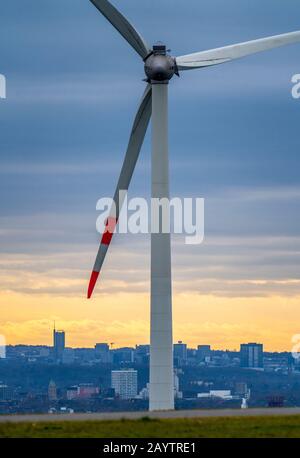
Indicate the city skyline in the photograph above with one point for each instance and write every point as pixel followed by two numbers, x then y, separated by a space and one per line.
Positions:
pixel 124 331
pixel 97 379
pixel 59 343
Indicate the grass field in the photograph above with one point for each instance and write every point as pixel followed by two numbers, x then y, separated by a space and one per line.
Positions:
pixel 277 426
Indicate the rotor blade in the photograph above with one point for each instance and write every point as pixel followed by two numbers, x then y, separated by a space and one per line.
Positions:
pixel 123 26
pixel 228 53
pixel 135 143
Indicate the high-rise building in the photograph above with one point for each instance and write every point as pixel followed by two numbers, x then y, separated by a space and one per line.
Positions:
pixel 102 353
pixel 203 352
pixel 251 355
pixel 58 343
pixel 124 383
pixel 180 353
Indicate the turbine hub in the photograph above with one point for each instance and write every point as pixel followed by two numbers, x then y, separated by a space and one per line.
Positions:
pixel 159 66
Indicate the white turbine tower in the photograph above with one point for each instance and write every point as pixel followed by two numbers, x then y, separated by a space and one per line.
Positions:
pixel 160 68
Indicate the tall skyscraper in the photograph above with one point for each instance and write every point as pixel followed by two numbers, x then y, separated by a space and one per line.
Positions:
pixel 58 344
pixel 203 352
pixel 124 383
pixel 251 355
pixel 102 353
pixel 180 353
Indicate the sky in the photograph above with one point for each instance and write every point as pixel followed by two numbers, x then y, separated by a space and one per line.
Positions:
pixel 73 86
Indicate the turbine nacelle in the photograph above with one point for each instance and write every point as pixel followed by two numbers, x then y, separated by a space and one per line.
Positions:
pixel 159 66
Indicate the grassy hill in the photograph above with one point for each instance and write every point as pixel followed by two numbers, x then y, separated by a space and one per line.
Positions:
pixel 231 427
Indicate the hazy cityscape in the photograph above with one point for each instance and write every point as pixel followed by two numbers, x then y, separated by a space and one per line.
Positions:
pixel 41 379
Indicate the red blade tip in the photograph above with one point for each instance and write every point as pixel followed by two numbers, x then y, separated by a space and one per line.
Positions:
pixel 93 280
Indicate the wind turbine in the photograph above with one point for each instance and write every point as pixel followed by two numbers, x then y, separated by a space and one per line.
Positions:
pixel 160 67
